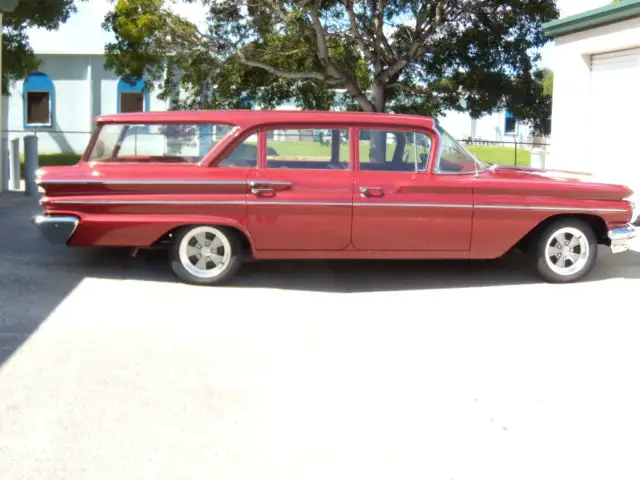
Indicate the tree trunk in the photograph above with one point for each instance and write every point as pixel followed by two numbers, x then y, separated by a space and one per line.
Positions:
pixel 378 138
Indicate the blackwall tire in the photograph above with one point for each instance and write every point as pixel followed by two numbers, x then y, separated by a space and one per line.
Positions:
pixel 565 251
pixel 205 254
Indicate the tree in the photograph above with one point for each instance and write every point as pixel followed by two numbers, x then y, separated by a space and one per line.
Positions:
pixel 18 58
pixel 387 55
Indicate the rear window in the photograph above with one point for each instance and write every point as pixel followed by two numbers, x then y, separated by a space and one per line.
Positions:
pixel 160 143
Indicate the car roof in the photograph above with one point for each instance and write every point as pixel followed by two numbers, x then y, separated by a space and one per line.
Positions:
pixel 245 118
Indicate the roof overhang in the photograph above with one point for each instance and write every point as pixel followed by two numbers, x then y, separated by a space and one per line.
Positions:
pixel 616 12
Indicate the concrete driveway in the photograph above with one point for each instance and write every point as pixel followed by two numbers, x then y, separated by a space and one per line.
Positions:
pixel 110 369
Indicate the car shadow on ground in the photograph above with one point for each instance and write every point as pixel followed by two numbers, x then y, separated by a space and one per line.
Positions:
pixel 35 276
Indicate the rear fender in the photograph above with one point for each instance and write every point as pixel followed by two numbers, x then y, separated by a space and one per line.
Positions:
pixel 116 230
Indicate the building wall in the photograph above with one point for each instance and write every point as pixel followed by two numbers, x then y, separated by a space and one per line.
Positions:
pixel 83 89
pixel 572 125
pixel 490 127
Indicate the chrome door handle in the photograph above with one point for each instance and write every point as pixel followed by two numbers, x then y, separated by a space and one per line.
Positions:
pixel 258 191
pixel 365 190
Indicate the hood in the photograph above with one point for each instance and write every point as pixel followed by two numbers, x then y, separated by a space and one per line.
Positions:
pixel 567 176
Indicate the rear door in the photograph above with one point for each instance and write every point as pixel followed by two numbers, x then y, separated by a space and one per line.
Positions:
pixel 300 197
pixel 398 206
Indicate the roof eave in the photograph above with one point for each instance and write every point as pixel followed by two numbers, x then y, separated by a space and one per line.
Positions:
pixel 598 17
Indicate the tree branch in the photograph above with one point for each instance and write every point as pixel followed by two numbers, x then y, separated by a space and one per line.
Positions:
pixel 280 73
pixel 349 5
pixel 332 70
pixel 419 46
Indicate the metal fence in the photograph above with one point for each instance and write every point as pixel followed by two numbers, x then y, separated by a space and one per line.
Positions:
pixel 522 154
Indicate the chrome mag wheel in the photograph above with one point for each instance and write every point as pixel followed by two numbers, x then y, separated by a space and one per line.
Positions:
pixel 567 251
pixel 205 252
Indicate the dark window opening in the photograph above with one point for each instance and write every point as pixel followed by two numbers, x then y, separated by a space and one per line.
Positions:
pixel 131 102
pixel 509 125
pixel 38 108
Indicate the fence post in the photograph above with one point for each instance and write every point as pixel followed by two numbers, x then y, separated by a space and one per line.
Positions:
pixel 30 164
pixel 4 160
pixel 15 164
pixel 515 151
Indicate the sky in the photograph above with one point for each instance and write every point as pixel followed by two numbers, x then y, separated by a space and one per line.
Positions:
pixel 83 32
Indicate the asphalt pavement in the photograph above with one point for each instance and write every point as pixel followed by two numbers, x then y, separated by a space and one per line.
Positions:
pixel 110 368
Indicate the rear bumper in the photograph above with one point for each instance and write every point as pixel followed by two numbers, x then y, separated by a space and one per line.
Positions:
pixel 622 238
pixel 56 229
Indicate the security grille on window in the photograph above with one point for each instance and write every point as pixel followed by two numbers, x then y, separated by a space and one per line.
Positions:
pixel 131 102
pixel 38 108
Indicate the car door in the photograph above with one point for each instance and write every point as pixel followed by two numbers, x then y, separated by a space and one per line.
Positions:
pixel 300 197
pixel 398 204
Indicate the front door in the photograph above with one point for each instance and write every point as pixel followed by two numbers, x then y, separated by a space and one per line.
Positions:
pixel 398 206
pixel 300 197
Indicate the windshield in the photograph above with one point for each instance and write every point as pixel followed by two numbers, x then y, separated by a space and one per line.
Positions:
pixel 166 143
pixel 454 158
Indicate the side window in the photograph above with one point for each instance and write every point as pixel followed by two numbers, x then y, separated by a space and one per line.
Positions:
pixel 313 149
pixel 156 143
pixel 244 155
pixel 394 151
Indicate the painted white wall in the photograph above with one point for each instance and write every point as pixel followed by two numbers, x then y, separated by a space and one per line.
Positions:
pixel 489 127
pixel 572 128
pixel 84 89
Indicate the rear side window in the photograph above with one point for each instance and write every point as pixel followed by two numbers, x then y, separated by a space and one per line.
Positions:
pixel 309 149
pixel 163 143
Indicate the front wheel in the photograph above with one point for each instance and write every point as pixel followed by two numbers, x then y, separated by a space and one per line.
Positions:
pixel 565 251
pixel 205 255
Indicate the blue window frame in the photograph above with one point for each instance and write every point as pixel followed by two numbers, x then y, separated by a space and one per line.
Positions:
pixel 38 101
pixel 132 97
pixel 510 124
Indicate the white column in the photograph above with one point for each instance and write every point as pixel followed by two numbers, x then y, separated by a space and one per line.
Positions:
pixel 3 159
pixel 90 84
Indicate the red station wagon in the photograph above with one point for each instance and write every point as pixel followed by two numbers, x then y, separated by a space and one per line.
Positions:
pixel 218 187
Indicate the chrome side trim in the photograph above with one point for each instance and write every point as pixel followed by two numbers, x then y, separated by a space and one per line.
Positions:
pixel 622 238
pixel 149 202
pixel 330 204
pixel 308 204
pixel 414 205
pixel 142 182
pixel 563 209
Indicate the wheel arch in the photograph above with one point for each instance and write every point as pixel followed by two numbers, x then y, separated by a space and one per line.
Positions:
pixel 597 223
pixel 242 233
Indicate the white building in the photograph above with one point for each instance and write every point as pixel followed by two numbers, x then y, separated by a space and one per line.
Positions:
pixel 60 100
pixel 596 96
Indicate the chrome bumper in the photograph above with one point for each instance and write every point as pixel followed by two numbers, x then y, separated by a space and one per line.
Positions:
pixel 56 229
pixel 622 238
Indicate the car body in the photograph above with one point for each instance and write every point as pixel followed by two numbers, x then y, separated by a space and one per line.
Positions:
pixel 217 187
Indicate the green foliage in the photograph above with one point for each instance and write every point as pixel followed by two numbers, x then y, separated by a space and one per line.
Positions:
pixel 386 55
pixel 18 58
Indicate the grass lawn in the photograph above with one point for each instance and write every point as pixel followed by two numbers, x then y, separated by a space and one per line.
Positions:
pixel 500 155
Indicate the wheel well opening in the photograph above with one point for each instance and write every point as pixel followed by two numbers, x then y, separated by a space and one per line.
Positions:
pixel 167 238
pixel 597 223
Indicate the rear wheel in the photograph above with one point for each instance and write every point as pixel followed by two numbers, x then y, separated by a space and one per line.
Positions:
pixel 565 251
pixel 205 255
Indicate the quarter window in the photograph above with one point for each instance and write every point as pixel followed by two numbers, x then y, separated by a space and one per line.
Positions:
pixel 313 149
pixel 166 143
pixel 394 151
pixel 245 155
